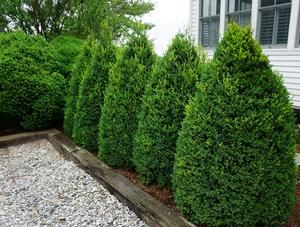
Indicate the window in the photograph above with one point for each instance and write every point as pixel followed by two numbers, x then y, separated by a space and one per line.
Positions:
pixel 274 21
pixel 210 22
pixel 239 11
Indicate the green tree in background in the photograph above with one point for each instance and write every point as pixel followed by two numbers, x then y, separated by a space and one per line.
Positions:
pixel 122 101
pixel 123 16
pixel 91 92
pixel 81 18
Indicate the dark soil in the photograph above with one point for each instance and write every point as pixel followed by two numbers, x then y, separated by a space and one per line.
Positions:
pixel 162 194
pixel 298 148
pixel 10 130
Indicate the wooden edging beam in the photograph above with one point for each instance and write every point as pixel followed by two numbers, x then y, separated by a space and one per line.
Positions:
pixel 145 206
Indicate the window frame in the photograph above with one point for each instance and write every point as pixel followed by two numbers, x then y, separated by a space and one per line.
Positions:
pixel 210 18
pixel 275 7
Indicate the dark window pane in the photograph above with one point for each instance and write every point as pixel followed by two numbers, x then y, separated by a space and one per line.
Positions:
pixel 218 6
pixel 233 18
pixel 246 4
pixel 245 18
pixel 267 3
pixel 282 1
pixel 210 32
pixel 205 33
pixel 242 19
pixel 214 33
pixel 266 26
pixel 283 25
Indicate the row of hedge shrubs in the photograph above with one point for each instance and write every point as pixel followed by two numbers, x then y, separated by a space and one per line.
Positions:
pixel 220 134
pixel 33 76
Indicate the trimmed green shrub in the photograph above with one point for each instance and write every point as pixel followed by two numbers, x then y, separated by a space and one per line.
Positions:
pixel 66 50
pixel 122 101
pixel 169 90
pixel 8 121
pixel 91 94
pixel 235 153
pixel 82 64
pixel 31 90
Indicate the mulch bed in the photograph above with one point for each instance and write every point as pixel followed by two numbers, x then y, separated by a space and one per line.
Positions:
pixel 11 130
pixel 294 220
pixel 298 148
pixel 162 194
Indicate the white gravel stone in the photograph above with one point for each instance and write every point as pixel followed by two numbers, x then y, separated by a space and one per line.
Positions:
pixel 38 187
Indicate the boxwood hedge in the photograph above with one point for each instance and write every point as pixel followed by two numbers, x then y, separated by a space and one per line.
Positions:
pixel 82 64
pixel 31 88
pixel 91 93
pixel 66 50
pixel 169 90
pixel 235 153
pixel 122 101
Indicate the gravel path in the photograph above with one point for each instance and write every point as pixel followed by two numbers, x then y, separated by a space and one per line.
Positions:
pixel 38 187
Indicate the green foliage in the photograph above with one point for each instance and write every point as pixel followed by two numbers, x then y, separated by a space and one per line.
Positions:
pixel 46 18
pixel 169 90
pixel 8 121
pixel 122 101
pixel 235 153
pixel 81 66
pixel 66 50
pixel 91 94
pixel 30 88
pixel 51 18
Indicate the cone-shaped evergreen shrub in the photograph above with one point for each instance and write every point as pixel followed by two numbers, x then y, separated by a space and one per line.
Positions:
pixel 169 90
pixel 122 101
pixel 83 63
pixel 91 93
pixel 235 153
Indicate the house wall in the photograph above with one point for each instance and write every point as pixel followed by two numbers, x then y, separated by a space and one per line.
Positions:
pixel 194 18
pixel 285 60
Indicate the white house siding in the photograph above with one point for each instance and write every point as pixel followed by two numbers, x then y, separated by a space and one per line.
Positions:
pixel 194 18
pixel 287 62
